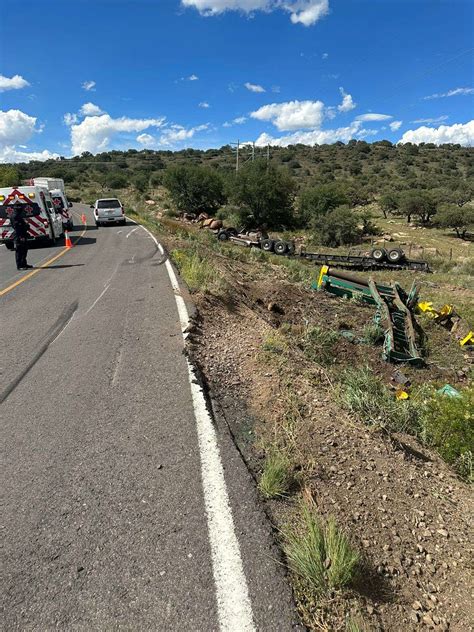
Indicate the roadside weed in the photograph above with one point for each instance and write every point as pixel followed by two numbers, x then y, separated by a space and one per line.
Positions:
pixel 276 477
pixel 319 553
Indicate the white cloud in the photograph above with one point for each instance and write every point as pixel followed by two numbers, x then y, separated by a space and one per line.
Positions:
pixel 438 119
pixel 254 87
pixel 451 93
pixel 459 133
pixel 276 89
pixel 324 55
pixel 193 78
pixel 347 103
pixel 90 109
pixel 394 125
pixel 371 116
pixel 146 139
pixel 237 121
pixel 177 133
pixel 306 12
pixel 89 86
pixel 204 104
pixel 12 83
pixel 95 133
pixel 10 154
pixel 292 115
pixel 316 136
pixel 16 127
pixel 70 118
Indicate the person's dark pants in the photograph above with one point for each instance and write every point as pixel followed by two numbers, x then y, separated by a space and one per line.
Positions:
pixel 21 250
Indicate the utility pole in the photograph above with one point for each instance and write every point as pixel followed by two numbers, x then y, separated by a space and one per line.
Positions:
pixel 237 157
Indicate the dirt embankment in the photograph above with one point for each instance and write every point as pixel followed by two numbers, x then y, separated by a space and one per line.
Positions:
pixel 402 507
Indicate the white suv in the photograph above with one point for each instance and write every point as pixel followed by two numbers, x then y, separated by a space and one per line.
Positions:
pixel 108 211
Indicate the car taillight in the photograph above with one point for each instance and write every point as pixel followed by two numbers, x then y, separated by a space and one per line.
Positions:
pixel 123 212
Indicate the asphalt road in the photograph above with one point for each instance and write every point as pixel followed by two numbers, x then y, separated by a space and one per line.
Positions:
pixel 104 520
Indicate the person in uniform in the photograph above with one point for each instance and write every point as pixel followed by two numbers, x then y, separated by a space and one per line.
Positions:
pixel 20 226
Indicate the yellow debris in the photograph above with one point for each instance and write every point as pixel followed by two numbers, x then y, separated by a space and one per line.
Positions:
pixel 401 394
pixel 469 339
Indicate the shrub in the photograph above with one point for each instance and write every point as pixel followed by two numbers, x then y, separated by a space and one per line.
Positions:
pixel 448 426
pixel 276 477
pixel 339 228
pixel 320 553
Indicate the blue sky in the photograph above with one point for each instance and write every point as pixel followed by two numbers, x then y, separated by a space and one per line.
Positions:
pixel 92 75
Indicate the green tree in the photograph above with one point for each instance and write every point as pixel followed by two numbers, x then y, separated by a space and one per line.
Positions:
pixel 338 228
pixel 9 176
pixel 195 189
pixel 318 201
pixel 388 203
pixel 116 181
pixel 265 195
pixel 417 202
pixel 459 218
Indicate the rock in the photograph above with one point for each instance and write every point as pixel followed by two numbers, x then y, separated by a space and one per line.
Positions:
pixel 443 532
pixel 416 605
pixel 427 620
pixel 414 616
pixel 370 609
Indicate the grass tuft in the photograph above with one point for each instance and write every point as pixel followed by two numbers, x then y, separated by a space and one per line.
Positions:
pixel 319 553
pixel 276 477
pixel 366 397
pixel 319 344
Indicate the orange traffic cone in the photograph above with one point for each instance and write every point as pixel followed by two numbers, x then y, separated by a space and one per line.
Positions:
pixel 67 240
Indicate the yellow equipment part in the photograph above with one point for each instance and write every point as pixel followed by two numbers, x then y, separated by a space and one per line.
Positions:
pixel 322 272
pixel 469 339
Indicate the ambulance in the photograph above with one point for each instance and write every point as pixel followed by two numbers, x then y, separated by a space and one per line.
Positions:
pixel 62 207
pixel 45 224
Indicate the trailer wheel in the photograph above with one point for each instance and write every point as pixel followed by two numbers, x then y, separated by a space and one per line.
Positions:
pixel 395 255
pixel 378 254
pixel 267 245
pixel 290 248
pixel 280 247
pixel 223 235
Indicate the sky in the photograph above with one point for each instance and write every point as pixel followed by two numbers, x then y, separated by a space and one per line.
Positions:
pixel 96 75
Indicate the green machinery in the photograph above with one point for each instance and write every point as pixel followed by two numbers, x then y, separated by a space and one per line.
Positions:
pixel 393 310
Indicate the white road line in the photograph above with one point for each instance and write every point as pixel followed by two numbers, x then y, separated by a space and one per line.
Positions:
pixel 233 601
pixel 132 231
pixel 97 299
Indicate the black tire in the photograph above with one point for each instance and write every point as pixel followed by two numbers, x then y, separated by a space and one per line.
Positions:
pixel 280 247
pixel 267 245
pixel 379 254
pixel 395 255
pixel 223 235
pixel 70 225
pixel 124 222
pixel 9 245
